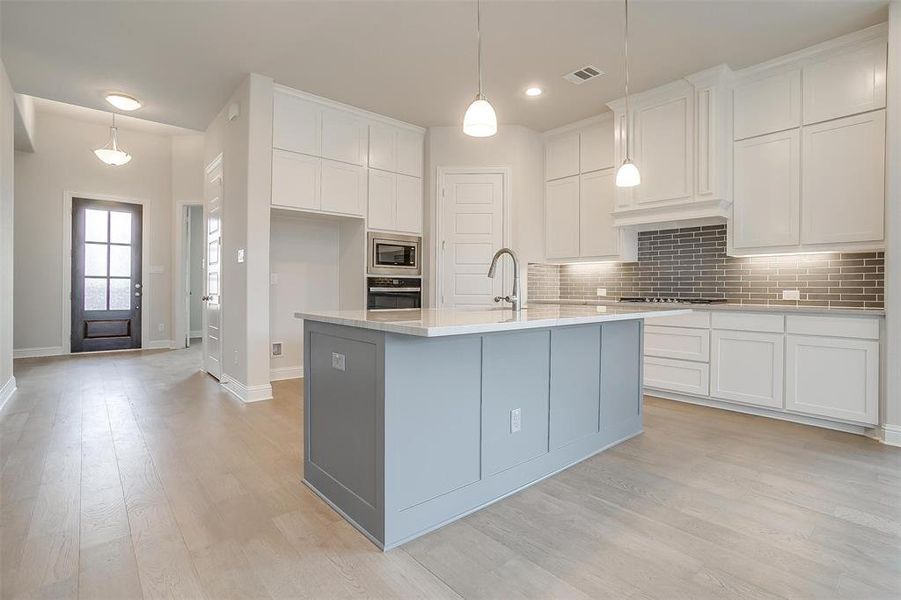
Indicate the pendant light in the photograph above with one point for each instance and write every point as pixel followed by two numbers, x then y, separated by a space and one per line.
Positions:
pixel 479 120
pixel 627 175
pixel 111 154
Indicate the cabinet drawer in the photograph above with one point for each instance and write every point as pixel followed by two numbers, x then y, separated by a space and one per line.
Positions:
pixel 677 375
pixel 677 342
pixel 851 327
pixel 696 318
pixel 749 322
pixel 747 367
pixel 832 377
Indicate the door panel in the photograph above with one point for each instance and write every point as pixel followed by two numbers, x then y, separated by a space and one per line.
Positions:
pixel 767 105
pixel 343 188
pixel 663 149
pixel 408 216
pixel 212 307
pixel 472 230
pixel 106 275
pixel 561 210
pixel 597 199
pixel 747 367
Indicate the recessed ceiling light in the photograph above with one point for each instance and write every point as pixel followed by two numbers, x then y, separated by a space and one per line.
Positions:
pixel 123 101
pixel 534 91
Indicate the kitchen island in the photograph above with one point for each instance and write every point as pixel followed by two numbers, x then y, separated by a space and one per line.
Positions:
pixel 415 418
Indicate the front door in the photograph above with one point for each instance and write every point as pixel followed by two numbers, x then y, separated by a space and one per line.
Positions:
pixel 472 230
pixel 106 275
pixel 212 299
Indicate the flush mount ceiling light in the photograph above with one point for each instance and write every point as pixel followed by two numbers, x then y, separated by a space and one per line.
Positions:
pixel 534 91
pixel 123 101
pixel 480 119
pixel 111 154
pixel 627 175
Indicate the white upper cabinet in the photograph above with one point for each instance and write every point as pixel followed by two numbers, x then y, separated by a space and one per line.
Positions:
pixel 395 149
pixel 343 188
pixel 408 208
pixel 767 105
pixel 344 137
pixel 663 144
pixel 596 147
pixel 597 198
pixel 561 156
pixel 409 152
pixel 382 199
pixel 295 180
pixel 562 217
pixel 846 84
pixel 843 180
pixel 295 124
pixel 767 191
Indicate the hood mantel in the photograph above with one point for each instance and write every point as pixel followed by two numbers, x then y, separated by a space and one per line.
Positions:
pixel 683 214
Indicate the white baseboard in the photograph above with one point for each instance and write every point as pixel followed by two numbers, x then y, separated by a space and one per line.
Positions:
pixel 891 435
pixel 37 352
pixel 245 393
pixel 7 391
pixel 159 345
pixel 281 373
pixel 196 334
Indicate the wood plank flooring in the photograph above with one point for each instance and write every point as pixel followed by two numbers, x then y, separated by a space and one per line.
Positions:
pixel 134 475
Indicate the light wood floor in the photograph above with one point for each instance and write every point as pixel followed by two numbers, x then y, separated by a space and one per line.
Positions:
pixel 130 475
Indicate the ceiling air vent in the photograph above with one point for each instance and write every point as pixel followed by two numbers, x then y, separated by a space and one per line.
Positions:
pixel 586 73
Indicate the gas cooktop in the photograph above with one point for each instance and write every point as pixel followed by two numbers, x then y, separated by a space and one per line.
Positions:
pixel 666 300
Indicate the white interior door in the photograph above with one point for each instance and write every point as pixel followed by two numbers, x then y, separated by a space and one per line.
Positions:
pixel 471 231
pixel 212 305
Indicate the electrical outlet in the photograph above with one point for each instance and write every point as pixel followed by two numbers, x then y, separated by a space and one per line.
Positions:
pixel 339 361
pixel 515 420
pixel 791 294
pixel 602 291
pixel 276 348
pixel 241 255
pixel 236 357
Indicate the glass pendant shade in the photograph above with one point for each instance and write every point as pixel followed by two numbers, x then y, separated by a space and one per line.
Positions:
pixel 480 119
pixel 627 175
pixel 111 154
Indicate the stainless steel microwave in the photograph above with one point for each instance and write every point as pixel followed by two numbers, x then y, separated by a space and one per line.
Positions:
pixel 391 254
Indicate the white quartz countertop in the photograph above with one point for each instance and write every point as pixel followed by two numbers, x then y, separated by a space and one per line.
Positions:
pixel 435 322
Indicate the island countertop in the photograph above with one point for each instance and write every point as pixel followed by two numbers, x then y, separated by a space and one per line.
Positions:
pixel 436 322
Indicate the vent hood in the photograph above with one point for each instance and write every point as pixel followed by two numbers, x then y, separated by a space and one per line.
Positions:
pixel 683 214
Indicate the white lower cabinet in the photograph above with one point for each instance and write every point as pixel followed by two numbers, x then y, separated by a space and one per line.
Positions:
pixel 677 375
pixel 833 377
pixel 747 367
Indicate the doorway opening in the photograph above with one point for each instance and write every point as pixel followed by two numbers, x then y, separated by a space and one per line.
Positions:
pixel 193 274
pixel 107 292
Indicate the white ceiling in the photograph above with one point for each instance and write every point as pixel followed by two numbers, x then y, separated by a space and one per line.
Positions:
pixel 102 117
pixel 412 60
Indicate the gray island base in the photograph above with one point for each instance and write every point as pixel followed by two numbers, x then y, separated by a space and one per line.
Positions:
pixel 413 420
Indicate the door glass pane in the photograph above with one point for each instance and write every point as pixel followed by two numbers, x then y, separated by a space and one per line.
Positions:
pixel 213 226
pixel 95 259
pixel 120 227
pixel 213 283
pixel 213 258
pixel 119 294
pixel 94 294
pixel 95 222
pixel 119 261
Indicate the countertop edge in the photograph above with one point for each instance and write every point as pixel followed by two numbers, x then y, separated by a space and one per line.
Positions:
pixel 821 310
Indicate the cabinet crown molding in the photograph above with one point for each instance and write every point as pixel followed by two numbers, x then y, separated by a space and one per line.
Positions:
pixel 663 91
pixel 578 125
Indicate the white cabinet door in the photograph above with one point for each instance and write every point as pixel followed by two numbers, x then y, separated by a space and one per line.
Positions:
pixel 747 367
pixel 597 198
pixel 664 142
pixel 409 152
pixel 846 84
pixel 767 105
pixel 677 342
pixel 833 377
pixel 382 147
pixel 677 375
pixel 343 188
pixel 766 191
pixel 295 124
pixel 561 205
pixel 596 147
pixel 382 200
pixel 561 156
pixel 343 137
pixel 295 180
pixel 844 180
pixel 409 204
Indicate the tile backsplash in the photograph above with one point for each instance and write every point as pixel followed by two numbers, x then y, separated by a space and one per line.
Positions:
pixel 692 263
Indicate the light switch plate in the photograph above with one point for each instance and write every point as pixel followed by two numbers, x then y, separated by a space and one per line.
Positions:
pixel 240 255
pixel 515 420
pixel 791 294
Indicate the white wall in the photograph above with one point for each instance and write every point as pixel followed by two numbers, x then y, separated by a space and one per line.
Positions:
pixel 514 146
pixel 7 382
pixel 187 189
pixel 195 272
pixel 63 161
pixel 304 258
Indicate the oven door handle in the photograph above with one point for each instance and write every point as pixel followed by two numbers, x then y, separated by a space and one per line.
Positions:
pixel 395 289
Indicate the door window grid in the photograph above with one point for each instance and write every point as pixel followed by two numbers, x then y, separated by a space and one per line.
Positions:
pixel 107 282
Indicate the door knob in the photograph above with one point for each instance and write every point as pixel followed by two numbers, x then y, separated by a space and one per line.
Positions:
pixel 205 299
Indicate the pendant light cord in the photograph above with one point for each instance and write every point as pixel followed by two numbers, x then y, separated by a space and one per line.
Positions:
pixel 626 56
pixel 479 41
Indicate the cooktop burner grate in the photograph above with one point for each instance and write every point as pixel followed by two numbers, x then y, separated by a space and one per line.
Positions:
pixel 670 300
